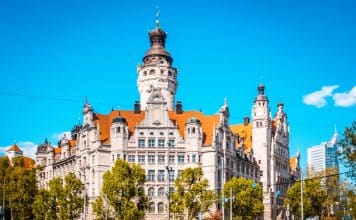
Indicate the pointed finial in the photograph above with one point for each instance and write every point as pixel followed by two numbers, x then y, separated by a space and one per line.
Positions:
pixel 85 100
pixel 225 100
pixel 335 131
pixel 157 17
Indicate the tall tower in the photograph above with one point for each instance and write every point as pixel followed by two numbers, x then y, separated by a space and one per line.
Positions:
pixel 261 142
pixel 157 70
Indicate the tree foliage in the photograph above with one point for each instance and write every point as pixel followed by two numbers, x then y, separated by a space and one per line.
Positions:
pixel 63 199
pixel 123 186
pixel 247 198
pixel 191 194
pixel 314 198
pixel 348 149
pixel 19 186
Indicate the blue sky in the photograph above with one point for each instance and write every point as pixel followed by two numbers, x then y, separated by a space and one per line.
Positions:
pixel 72 49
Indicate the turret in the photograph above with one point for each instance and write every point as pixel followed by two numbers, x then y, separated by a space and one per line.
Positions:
pixel 193 134
pixel 119 134
pixel 88 114
pixel 157 70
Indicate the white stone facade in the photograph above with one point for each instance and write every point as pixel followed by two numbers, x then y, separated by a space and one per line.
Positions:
pixel 158 135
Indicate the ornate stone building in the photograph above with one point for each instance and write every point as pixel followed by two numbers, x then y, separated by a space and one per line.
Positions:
pixel 165 139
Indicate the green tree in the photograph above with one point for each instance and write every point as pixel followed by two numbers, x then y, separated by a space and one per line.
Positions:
pixel 40 206
pixel 123 187
pixel 247 198
pixel 21 189
pixel 191 194
pixel 348 149
pixel 314 198
pixel 72 200
pixel 63 200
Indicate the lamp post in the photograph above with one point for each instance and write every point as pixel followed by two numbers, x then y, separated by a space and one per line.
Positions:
pixel 3 200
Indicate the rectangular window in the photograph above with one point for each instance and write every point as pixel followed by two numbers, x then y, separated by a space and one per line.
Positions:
pixel 194 158
pixel 161 159
pixel 151 158
pixel 141 158
pixel 172 159
pixel 171 175
pixel 171 143
pixel 141 143
pixel 151 175
pixel 161 175
pixel 161 143
pixel 151 143
pixel 180 158
pixel 131 158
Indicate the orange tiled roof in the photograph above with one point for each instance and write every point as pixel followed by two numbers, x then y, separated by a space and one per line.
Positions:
pixel 274 126
pixel 208 122
pixel 28 162
pixel 15 148
pixel 72 143
pixel 104 122
pixel 57 150
pixel 293 163
pixel 245 132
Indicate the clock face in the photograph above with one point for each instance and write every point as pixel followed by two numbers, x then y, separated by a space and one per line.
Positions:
pixel 43 148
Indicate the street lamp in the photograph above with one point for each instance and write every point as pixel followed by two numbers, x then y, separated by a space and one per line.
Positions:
pixel 169 170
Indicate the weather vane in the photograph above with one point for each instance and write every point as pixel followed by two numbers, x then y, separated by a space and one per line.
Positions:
pixel 157 17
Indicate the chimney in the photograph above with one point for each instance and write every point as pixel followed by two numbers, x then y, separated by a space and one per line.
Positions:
pixel 179 107
pixel 137 107
pixel 246 120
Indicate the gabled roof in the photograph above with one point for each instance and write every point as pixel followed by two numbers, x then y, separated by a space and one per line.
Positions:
pixel 293 163
pixel 14 148
pixel 104 122
pixel 208 122
pixel 245 132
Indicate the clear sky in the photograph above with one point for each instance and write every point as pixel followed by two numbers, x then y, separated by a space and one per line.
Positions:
pixel 71 49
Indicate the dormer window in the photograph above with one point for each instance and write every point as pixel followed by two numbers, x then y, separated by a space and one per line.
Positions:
pixel 118 129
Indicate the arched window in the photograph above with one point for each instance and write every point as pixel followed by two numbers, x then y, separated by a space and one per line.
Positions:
pixel 152 71
pixel 160 207
pixel 193 130
pixel 151 192
pixel 161 192
pixel 151 208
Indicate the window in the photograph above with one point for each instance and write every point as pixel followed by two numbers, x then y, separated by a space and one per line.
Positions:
pixel 160 207
pixel 171 175
pixel 161 192
pixel 171 159
pixel 151 192
pixel 151 208
pixel 161 175
pixel 171 143
pixel 93 158
pixel 161 133
pixel 151 143
pixel 161 143
pixel 131 158
pixel 141 158
pixel 180 158
pixel 194 158
pixel 151 158
pixel 141 142
pixel 151 175
pixel 118 129
pixel 161 159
